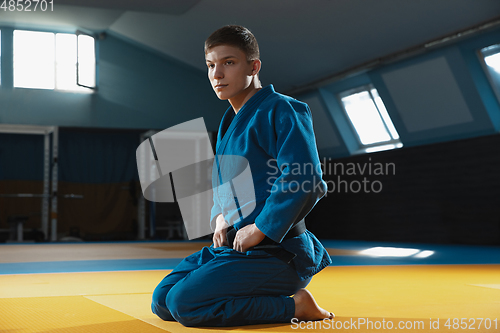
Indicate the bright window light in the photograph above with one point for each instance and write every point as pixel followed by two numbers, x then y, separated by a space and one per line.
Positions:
pixel 45 60
pixel 86 61
pixel 364 116
pixel 383 112
pixel 384 147
pixel 368 115
pixel 66 61
pixel 491 59
pixel 389 252
pixel 34 65
pixel 424 254
pixel 380 251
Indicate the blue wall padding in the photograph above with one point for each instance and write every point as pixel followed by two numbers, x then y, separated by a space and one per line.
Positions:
pixel 85 156
pixel 21 157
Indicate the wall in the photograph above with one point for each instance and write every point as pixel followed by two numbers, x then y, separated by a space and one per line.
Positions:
pixel 436 96
pixel 446 182
pixel 445 185
pixel 137 88
pixel 441 193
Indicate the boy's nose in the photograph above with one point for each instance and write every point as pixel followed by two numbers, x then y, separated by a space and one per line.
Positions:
pixel 218 73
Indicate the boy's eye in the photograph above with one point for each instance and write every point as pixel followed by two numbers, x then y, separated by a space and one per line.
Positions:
pixel 229 62
pixel 211 66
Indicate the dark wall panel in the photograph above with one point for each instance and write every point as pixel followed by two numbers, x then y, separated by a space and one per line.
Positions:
pixel 441 193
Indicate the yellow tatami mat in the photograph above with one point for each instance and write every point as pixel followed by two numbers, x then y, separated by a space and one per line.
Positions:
pixel 102 251
pixel 97 251
pixel 120 301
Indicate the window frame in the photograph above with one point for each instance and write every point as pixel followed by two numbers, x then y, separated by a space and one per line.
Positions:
pixel 393 143
pixel 78 33
pixel 494 86
pixel 88 89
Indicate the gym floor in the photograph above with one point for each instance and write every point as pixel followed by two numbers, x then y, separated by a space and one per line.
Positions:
pixel 107 287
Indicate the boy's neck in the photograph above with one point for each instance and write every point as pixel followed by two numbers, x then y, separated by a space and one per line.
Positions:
pixel 238 101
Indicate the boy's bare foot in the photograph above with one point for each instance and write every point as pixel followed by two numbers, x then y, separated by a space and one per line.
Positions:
pixel 306 307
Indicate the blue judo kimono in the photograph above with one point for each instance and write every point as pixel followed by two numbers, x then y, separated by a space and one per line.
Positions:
pixel 224 287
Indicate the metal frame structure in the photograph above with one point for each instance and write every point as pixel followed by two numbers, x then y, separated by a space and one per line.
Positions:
pixel 48 176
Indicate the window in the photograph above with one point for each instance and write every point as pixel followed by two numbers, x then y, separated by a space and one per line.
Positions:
pixel 47 60
pixel 85 61
pixel 491 61
pixel 370 119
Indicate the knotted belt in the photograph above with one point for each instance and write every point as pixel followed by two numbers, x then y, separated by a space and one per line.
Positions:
pixel 270 246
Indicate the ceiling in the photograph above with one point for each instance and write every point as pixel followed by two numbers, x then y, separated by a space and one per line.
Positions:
pixel 301 41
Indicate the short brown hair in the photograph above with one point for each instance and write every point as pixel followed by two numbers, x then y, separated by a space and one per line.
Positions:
pixel 237 36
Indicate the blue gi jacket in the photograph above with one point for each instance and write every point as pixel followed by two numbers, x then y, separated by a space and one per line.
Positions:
pixel 275 134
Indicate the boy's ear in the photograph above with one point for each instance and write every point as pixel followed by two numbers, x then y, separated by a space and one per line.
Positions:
pixel 256 66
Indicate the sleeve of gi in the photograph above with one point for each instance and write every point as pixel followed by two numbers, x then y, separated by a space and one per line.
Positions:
pixel 299 186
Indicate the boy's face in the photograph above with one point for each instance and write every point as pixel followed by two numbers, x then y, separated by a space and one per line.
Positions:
pixel 229 71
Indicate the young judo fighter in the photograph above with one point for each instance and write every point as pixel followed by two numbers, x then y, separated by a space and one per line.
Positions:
pixel 249 277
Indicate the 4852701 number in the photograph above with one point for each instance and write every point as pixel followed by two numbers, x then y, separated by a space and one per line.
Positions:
pixel 472 323
pixel 27 5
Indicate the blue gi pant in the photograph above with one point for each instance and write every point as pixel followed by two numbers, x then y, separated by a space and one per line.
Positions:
pixel 224 287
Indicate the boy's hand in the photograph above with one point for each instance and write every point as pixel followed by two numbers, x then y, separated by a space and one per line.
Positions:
pixel 219 237
pixel 247 237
